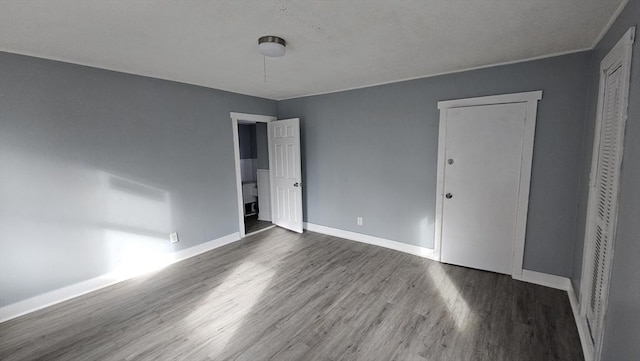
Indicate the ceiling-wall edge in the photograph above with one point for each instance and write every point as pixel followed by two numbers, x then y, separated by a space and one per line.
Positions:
pixel 540 57
pixel 62 60
pixel 608 25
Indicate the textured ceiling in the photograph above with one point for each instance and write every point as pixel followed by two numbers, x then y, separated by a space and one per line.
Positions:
pixel 332 45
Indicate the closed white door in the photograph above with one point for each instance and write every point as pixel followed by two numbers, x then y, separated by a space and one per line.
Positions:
pixel 286 179
pixel 483 153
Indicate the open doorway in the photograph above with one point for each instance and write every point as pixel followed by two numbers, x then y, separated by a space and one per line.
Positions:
pixel 252 171
pixel 273 194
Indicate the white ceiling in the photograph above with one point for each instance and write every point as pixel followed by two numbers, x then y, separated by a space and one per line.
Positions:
pixel 332 45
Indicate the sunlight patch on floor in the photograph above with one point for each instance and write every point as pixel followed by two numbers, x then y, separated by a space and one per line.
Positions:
pixel 225 310
pixel 458 308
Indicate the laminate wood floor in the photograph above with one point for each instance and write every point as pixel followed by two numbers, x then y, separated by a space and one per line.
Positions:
pixel 252 224
pixel 283 296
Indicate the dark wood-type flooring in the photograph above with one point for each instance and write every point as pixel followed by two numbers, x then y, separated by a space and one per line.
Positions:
pixel 279 295
pixel 252 224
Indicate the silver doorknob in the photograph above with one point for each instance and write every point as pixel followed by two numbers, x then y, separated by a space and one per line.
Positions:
pixel 450 161
pixel 449 195
pixel 296 184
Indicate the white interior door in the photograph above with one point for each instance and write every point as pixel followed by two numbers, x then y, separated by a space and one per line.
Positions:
pixel 483 151
pixel 286 179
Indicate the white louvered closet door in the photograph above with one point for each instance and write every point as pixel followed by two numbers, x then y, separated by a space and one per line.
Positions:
pixel 605 197
pixel 613 98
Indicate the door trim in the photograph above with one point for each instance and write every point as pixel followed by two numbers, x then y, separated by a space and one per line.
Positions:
pixel 619 55
pixel 531 99
pixel 235 117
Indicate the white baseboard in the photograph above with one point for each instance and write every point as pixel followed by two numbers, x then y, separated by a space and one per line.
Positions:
pixel 545 279
pixel 62 294
pixel 205 247
pixel 583 331
pixel 376 241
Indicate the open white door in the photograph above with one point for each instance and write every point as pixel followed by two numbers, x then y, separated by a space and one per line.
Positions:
pixel 286 179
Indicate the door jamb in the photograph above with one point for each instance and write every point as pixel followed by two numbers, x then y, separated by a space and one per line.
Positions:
pixel 531 99
pixel 235 117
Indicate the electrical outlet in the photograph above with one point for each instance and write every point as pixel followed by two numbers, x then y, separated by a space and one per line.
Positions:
pixel 359 221
pixel 173 237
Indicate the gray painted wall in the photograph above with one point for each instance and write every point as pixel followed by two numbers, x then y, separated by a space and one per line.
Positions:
pixel 372 153
pixel 247 141
pixel 262 145
pixel 622 324
pixel 97 167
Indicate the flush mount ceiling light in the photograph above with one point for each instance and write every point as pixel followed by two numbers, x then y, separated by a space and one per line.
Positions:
pixel 272 46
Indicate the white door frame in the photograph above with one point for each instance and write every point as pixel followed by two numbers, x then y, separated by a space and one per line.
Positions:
pixel 531 99
pixel 235 117
pixel 620 55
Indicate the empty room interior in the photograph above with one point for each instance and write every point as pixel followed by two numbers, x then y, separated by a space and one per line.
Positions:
pixel 320 180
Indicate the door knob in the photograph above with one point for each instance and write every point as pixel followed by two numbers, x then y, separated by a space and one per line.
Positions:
pixel 449 195
pixel 296 184
pixel 450 161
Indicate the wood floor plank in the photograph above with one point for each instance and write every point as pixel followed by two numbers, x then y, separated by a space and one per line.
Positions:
pixel 279 295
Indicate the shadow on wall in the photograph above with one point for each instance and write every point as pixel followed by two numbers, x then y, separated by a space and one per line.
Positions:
pixel 85 223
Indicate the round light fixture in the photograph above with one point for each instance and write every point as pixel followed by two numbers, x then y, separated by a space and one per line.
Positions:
pixel 271 46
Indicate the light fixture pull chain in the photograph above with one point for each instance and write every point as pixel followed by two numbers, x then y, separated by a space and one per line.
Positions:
pixel 264 65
